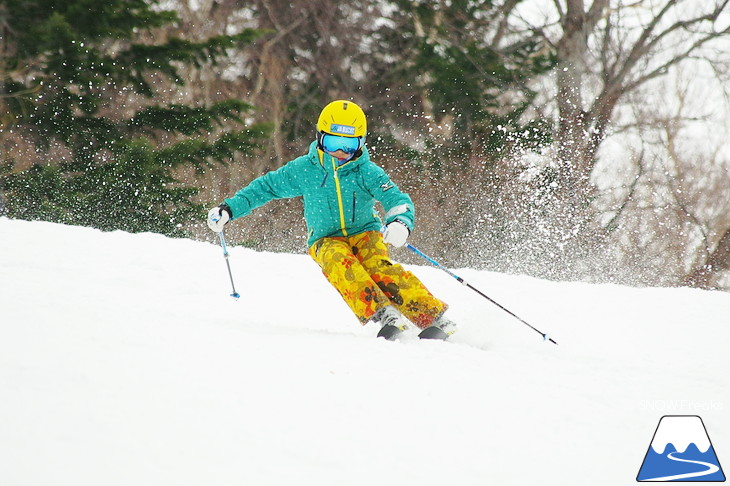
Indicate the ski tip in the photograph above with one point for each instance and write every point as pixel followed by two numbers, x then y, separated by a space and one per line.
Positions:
pixel 389 332
pixel 433 332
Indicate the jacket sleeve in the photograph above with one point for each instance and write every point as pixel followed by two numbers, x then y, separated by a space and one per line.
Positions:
pixel 277 184
pixel 398 205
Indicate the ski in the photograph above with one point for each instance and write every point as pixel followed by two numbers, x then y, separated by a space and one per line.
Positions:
pixel 433 332
pixel 390 332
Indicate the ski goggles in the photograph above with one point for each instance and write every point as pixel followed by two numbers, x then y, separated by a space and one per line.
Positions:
pixel 333 143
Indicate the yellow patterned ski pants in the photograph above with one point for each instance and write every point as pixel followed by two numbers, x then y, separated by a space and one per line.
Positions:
pixel 360 269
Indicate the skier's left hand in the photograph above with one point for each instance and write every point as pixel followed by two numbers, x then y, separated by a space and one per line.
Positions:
pixel 396 233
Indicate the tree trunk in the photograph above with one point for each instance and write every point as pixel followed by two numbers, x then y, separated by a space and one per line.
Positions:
pixel 571 67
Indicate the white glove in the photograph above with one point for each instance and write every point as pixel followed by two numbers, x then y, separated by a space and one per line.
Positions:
pixel 396 233
pixel 217 218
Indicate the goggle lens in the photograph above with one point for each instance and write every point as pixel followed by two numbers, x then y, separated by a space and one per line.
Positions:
pixel 333 143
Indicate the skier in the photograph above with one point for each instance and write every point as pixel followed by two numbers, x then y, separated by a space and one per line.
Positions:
pixel 340 185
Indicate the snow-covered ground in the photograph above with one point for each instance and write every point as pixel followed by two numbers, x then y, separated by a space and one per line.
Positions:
pixel 123 361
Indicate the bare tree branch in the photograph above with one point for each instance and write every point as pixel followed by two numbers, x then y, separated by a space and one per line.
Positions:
pixel 641 47
pixel 505 12
pixel 269 44
pixel 646 42
pixel 612 224
pixel 596 13
pixel 662 69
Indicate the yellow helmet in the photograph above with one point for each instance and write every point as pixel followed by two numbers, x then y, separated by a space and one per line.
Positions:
pixel 343 118
pixel 342 125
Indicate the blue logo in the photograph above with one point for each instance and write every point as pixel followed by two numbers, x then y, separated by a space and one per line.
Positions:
pixel 681 451
pixel 342 129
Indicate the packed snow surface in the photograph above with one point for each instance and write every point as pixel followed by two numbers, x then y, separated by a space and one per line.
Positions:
pixel 123 361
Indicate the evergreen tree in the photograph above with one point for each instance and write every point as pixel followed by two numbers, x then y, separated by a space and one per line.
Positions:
pixel 470 89
pixel 68 69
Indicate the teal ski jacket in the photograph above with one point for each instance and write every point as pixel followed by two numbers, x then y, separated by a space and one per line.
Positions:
pixel 339 200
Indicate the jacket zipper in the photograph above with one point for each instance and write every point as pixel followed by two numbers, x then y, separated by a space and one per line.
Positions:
pixel 339 198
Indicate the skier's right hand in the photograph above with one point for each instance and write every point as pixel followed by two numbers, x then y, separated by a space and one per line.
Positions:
pixel 396 233
pixel 218 217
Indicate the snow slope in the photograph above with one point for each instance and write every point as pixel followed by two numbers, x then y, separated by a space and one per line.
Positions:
pixel 123 361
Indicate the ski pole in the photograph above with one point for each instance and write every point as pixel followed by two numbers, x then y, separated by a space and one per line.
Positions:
pixel 235 294
pixel 436 264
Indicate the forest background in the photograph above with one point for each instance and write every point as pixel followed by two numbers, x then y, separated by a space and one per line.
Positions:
pixel 565 139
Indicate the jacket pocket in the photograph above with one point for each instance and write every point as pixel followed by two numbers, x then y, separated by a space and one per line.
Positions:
pixel 354 204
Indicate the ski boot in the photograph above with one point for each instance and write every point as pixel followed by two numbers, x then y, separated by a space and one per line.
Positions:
pixel 392 321
pixel 441 328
